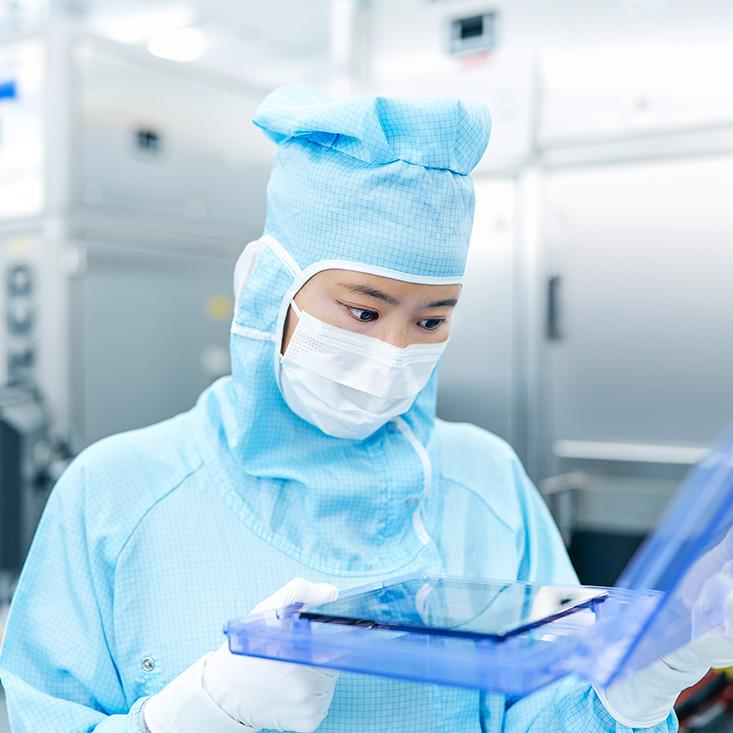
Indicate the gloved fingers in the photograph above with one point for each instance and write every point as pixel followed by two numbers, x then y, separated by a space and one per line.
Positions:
pixel 712 649
pixel 298 590
pixel 301 722
pixel 318 593
pixel 324 673
pixel 325 694
pixel 318 677
pixel 711 625
pixel 280 598
pixel 307 681
pixel 268 693
pixel 727 571
pixel 711 608
pixel 228 666
pixel 729 615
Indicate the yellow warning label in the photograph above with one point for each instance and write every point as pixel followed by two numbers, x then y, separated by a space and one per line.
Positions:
pixel 219 307
pixel 20 245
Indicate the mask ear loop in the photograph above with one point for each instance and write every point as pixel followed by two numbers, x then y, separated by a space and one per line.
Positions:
pixel 298 312
pixel 246 263
pixel 296 308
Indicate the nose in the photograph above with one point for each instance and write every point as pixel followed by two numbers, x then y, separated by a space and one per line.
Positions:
pixel 394 335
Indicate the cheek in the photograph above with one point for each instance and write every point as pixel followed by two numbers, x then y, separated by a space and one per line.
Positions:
pixel 422 336
pixel 338 315
pixel 290 322
pixel 325 308
pixel 436 337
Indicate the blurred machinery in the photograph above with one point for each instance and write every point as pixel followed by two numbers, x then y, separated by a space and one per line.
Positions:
pixel 127 189
pixel 129 192
pixel 633 367
pixel 636 370
pixel 591 332
pixel 23 432
pixel 30 462
pixel 594 328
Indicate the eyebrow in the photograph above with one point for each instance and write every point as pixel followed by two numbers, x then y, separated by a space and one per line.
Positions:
pixel 386 298
pixel 449 302
pixel 374 293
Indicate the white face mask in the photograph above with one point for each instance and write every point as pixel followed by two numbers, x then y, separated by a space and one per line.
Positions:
pixel 348 384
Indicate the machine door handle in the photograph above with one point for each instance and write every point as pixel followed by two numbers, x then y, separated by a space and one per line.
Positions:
pixel 554 326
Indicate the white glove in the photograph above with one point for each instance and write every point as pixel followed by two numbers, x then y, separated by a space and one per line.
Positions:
pixel 229 693
pixel 646 698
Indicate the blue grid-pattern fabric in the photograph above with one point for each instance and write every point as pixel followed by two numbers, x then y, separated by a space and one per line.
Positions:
pixel 143 553
pixel 342 506
pixel 153 539
pixel 373 179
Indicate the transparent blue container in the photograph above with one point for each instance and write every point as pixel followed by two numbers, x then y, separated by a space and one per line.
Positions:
pixel 670 593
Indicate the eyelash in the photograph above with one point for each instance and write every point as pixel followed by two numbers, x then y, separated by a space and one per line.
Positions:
pixel 437 321
pixel 354 311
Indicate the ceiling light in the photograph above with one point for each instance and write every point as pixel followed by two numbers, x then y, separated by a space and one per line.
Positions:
pixel 136 26
pixel 178 44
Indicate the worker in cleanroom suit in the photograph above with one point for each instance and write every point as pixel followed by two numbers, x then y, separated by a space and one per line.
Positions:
pixel 320 457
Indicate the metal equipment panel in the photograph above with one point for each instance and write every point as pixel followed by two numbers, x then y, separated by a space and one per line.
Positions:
pixel 613 92
pixel 154 142
pixel 477 374
pixel 21 129
pixel 640 316
pixel 24 449
pixel 151 325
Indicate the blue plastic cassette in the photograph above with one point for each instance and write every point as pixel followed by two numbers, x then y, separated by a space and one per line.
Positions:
pixel 514 637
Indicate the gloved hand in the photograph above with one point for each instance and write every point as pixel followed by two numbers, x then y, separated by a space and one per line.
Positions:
pixel 646 698
pixel 227 693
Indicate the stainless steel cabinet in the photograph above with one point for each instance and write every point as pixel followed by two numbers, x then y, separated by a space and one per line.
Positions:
pixel 152 141
pixel 151 179
pixel 151 329
pixel 636 365
pixel 479 369
pixel 644 265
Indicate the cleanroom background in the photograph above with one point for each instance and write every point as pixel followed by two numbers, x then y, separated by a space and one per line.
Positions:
pixel 595 330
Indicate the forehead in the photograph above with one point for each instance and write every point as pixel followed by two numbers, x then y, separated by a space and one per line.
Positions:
pixel 400 289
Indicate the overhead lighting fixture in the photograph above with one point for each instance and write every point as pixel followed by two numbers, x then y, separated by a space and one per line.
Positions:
pixel 178 44
pixel 136 26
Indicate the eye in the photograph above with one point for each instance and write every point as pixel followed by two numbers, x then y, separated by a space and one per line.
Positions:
pixel 431 324
pixel 361 314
